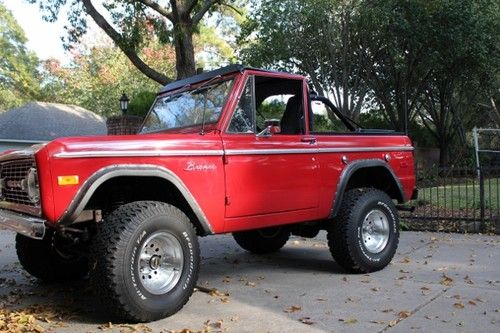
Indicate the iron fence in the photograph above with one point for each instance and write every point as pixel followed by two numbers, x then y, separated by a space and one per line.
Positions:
pixel 465 198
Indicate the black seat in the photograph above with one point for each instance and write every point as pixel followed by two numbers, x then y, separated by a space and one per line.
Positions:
pixel 291 122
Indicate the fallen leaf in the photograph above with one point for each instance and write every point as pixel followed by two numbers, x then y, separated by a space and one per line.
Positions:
pixel 404 314
pixel 351 321
pixel 406 260
pixel 292 308
pixel 468 280
pixel 381 322
pixel 306 320
pixel 459 305
pixel 387 310
pixel 471 302
pixel 375 289
pixel 446 280
pixel 218 323
pixel 105 327
pixel 250 284
pixel 393 323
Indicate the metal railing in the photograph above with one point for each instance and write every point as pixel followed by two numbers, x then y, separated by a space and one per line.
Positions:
pixel 465 195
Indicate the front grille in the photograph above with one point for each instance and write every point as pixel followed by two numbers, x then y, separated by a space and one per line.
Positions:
pixel 13 177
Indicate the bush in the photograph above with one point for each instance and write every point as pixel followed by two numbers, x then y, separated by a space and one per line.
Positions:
pixel 141 103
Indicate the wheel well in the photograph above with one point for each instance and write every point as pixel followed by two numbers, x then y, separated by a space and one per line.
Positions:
pixel 377 177
pixel 124 189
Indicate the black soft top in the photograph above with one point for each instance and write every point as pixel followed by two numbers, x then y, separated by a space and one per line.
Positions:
pixel 207 76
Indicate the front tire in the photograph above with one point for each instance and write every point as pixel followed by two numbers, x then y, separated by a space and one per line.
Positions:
pixel 262 241
pixel 146 259
pixel 365 234
pixel 41 259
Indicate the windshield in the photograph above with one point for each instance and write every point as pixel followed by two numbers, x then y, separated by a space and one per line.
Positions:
pixel 196 106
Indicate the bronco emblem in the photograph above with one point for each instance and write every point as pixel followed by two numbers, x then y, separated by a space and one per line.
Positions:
pixel 192 166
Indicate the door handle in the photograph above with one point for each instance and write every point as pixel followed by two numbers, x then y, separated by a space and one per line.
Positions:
pixel 310 140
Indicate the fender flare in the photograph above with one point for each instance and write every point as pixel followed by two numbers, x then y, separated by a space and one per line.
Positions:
pixel 349 170
pixel 92 183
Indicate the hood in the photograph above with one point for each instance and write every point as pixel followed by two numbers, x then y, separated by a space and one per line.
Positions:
pixel 159 144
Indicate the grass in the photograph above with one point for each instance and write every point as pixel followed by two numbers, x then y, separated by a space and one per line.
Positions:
pixel 463 196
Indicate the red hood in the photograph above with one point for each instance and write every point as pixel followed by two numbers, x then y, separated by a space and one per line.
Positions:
pixel 159 142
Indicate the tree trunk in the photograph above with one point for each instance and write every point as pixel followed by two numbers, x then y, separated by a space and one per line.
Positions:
pixel 117 38
pixel 184 51
pixel 443 153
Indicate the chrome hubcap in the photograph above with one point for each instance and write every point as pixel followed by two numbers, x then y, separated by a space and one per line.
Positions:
pixel 160 264
pixel 375 231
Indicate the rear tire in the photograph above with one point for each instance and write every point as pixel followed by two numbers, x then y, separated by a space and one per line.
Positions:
pixel 146 259
pixel 43 261
pixel 365 234
pixel 262 241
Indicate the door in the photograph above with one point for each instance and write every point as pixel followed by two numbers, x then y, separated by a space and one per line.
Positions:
pixel 270 163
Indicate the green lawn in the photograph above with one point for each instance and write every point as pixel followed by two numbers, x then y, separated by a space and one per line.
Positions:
pixel 462 196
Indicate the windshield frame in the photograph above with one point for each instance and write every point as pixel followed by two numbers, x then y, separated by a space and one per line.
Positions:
pixel 190 88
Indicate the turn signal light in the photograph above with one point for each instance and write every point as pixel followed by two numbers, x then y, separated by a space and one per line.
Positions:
pixel 67 180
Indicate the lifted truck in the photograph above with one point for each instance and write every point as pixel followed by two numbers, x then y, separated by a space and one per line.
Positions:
pixel 236 150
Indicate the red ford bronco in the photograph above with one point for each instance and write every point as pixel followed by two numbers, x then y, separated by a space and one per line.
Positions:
pixel 237 150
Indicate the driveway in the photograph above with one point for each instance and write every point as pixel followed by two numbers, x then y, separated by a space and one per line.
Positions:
pixel 436 283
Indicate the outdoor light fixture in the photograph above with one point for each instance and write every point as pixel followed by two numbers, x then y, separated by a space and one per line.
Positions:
pixel 124 103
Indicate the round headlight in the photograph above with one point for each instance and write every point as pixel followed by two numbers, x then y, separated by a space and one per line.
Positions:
pixel 33 187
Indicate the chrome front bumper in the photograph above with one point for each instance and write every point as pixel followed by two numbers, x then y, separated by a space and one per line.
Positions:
pixel 27 225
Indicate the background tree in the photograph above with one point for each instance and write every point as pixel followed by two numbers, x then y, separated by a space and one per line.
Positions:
pixel 425 64
pixel 97 75
pixel 127 21
pixel 19 78
pixel 314 37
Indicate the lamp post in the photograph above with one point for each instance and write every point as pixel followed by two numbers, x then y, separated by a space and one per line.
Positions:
pixel 124 103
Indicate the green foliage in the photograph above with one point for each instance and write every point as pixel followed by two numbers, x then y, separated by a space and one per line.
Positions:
pixel 434 61
pixel 141 102
pixel 19 77
pixel 132 24
pixel 97 76
pixel 313 37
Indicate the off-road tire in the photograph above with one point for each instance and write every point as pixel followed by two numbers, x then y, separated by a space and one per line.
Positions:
pixel 115 260
pixel 262 241
pixel 345 236
pixel 40 259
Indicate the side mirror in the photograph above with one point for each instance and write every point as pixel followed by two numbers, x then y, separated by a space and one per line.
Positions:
pixel 272 127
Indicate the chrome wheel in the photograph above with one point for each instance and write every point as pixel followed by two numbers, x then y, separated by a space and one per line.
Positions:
pixel 375 231
pixel 160 264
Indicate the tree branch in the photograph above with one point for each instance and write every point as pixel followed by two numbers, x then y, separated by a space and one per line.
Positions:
pixel 239 12
pixel 117 38
pixel 190 6
pixel 204 9
pixel 159 9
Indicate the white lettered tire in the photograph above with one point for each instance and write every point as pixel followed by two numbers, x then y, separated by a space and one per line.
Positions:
pixel 145 261
pixel 365 234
